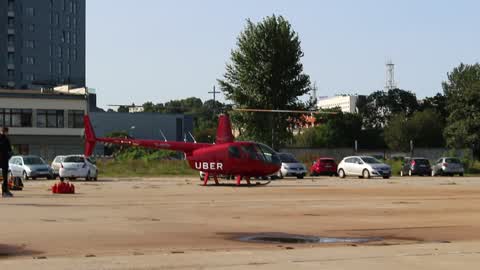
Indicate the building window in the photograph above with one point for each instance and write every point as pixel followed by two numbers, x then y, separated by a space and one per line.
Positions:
pixel 31 27
pixel 16 118
pixel 11 40
pixel 29 77
pixel 68 22
pixel 30 44
pixel 21 149
pixel 59 51
pixel 29 60
pixel 74 54
pixel 74 22
pixel 11 6
pixel 11 22
pixel 59 68
pixel 75 119
pixel 11 74
pixel 11 58
pixel 56 19
pixel 50 119
pixel 30 11
pixel 74 38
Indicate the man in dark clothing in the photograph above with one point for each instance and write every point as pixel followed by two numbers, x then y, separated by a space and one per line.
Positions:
pixel 5 154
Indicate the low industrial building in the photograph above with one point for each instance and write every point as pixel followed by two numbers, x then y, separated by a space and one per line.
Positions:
pixel 50 122
pixel 150 126
pixel 44 122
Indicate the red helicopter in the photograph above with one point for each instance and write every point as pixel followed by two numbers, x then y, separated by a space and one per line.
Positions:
pixel 225 157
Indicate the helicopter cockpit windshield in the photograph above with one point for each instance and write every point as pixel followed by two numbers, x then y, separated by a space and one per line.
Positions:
pixel 258 151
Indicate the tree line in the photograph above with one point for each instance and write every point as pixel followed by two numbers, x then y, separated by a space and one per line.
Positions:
pixel 265 72
pixel 396 117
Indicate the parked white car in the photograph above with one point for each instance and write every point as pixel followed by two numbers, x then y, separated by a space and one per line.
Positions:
pixel 363 167
pixel 56 164
pixel 78 166
pixel 28 167
pixel 291 166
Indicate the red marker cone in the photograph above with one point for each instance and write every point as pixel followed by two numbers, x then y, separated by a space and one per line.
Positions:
pixel 61 188
pixel 54 188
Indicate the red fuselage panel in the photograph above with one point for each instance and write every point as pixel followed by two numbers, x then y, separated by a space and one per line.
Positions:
pixel 219 159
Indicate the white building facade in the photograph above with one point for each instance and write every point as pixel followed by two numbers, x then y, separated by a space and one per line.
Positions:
pixel 347 104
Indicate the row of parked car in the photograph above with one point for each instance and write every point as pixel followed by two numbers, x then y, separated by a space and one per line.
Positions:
pixel 367 167
pixel 65 167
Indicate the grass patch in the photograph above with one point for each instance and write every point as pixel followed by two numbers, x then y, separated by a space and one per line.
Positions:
pixel 144 168
pixel 474 168
pixel 396 166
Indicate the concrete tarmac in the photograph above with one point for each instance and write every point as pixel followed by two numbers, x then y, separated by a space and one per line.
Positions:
pixel 175 223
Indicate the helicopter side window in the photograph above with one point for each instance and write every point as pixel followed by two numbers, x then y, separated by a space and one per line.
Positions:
pixel 253 152
pixel 270 155
pixel 267 153
pixel 234 152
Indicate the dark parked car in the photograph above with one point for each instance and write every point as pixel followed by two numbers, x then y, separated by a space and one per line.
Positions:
pixel 324 166
pixel 415 166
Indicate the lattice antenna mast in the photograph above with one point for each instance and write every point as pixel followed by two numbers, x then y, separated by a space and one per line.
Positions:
pixel 315 93
pixel 390 78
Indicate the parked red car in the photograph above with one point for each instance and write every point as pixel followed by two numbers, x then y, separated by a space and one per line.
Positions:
pixel 324 166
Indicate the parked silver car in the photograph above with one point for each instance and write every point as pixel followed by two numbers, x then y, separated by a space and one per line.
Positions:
pixel 291 166
pixel 447 166
pixel 28 167
pixel 363 167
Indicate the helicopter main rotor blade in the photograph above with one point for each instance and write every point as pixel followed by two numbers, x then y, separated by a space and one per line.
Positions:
pixel 283 111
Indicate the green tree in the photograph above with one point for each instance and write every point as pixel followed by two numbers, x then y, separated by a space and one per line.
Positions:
pixel 340 130
pixel 381 105
pixel 462 91
pixel 115 149
pixel 423 127
pixel 265 72
pixel 123 109
pixel 437 103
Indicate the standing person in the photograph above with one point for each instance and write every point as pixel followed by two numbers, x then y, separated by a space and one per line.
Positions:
pixel 5 154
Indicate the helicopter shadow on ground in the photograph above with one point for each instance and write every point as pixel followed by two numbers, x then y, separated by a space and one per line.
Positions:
pixel 9 251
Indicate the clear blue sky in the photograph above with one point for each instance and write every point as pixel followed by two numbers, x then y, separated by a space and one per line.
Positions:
pixel 155 50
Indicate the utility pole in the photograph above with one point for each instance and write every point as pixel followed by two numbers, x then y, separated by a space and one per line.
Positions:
pixel 411 148
pixel 214 93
